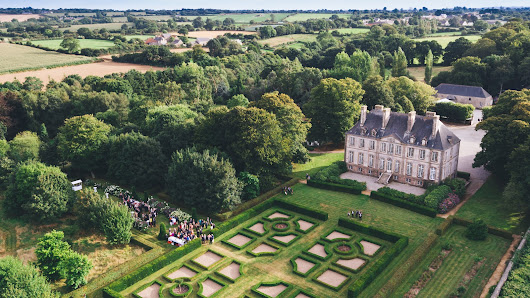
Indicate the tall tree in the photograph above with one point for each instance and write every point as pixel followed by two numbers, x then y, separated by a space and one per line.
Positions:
pixel 428 67
pixel 399 64
pixel 377 92
pixel 70 44
pixel 51 252
pixel 333 108
pixel 456 50
pixel 25 146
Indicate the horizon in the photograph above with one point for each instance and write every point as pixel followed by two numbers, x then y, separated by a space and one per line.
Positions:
pixel 277 5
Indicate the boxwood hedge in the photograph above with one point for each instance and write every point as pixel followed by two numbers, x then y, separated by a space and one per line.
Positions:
pixel 383 197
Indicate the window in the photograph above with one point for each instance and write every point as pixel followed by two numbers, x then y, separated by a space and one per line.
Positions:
pixel 409 168
pixel 350 156
pixel 350 167
pixel 432 174
pixel 369 171
pixel 360 170
pixel 381 164
pixel 398 150
pixel 420 171
pixel 408 180
pixel 374 132
pixel 395 177
pixel 383 147
pixel 396 167
pixel 361 143
pixel 372 145
pixel 422 154
pixel 371 161
pixel 390 148
pixel 351 141
pixel 420 182
pixel 434 156
pixel 410 152
pixel 389 165
pixel 361 158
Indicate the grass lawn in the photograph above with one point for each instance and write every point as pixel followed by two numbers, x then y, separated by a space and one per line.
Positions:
pixel 445 40
pixel 351 30
pixel 292 38
pixel 419 71
pixel 307 16
pixel 142 37
pixel 278 267
pixel 83 43
pixel 108 26
pixel 318 162
pixel 458 265
pixel 15 57
pixel 487 203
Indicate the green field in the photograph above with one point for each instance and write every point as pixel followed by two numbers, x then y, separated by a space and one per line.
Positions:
pixel 307 16
pixel 285 39
pixel 83 43
pixel 351 30
pixel 244 18
pixel 142 37
pixel 445 40
pixel 317 163
pixel 18 58
pixel 108 26
pixel 488 204
pixel 419 71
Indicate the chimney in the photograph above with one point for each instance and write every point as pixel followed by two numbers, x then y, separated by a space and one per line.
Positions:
pixel 435 124
pixel 379 107
pixel 411 119
pixel 363 114
pixel 386 117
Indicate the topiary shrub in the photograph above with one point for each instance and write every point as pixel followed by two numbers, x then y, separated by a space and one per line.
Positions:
pixel 162 233
pixel 478 230
pixel 436 196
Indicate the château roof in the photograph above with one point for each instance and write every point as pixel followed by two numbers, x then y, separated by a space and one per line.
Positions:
pixel 397 128
pixel 462 90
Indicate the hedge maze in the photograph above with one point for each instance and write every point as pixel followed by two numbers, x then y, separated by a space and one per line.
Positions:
pixel 276 249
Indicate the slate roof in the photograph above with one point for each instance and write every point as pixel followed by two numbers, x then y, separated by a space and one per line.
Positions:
pixel 462 90
pixel 397 128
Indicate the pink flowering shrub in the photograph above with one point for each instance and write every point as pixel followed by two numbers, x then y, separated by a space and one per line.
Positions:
pixel 448 203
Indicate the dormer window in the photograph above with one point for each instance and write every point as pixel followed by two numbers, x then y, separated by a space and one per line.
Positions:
pixel 412 140
pixel 363 131
pixel 374 132
pixel 424 142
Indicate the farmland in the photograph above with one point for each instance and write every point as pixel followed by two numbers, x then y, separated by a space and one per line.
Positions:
pixel 17 58
pixel 285 39
pixel 444 40
pixel 351 30
pixel 244 18
pixel 108 26
pixel 19 17
pixel 212 34
pixel 307 16
pixel 83 43
pixel 418 72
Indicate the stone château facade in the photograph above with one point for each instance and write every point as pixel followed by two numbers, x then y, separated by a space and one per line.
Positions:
pixel 401 147
pixel 474 95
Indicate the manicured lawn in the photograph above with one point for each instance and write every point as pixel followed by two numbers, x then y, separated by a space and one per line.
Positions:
pixel 318 162
pixel 445 40
pixel 351 30
pixel 15 57
pixel 280 40
pixel 488 204
pixel 459 263
pixel 419 71
pixel 83 43
pixel 307 16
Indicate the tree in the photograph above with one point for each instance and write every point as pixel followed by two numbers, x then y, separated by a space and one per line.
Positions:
pixel 482 48
pixel 76 268
pixel 183 31
pixel 25 146
pixel 480 25
pixel 428 67
pixel 19 280
pixel 250 186
pixel 51 252
pixel 377 92
pixel 70 44
pixel 32 84
pixel 267 32
pixel 198 22
pixel 203 180
pixel 399 64
pixel 456 50
pixel 135 159
pixel 117 223
pixel 333 108
pixel 477 230
pixel 81 140
pixel 42 192
pixel 419 94
pixel 238 100
pixel 162 232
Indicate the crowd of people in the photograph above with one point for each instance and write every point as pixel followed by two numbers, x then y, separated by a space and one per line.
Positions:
pixel 182 232
pixel 140 210
pixel 288 190
pixel 356 214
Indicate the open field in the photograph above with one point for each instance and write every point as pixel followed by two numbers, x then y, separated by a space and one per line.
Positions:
pixel 487 203
pixel 244 18
pixel 307 16
pixel 280 40
pixel 317 163
pixel 15 57
pixel 419 71
pixel 20 17
pixel 351 30
pixel 83 43
pixel 94 69
pixel 142 37
pixel 108 26
pixel 213 34
pixel 445 40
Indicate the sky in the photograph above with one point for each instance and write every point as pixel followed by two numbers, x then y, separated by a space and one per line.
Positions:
pixel 259 4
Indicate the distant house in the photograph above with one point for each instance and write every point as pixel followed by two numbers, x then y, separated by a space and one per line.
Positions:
pixel 238 41
pixel 156 41
pixel 177 42
pixel 474 95
pixel 202 41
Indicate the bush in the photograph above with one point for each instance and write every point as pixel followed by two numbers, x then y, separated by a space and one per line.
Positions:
pixel 454 111
pixel 19 280
pixel 162 232
pixel 337 187
pixel 318 214
pixel 435 197
pixel 396 201
pixel 369 230
pixel 458 186
pixel 250 186
pixel 478 230
pixel 463 175
pixel 448 203
pixel 117 224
